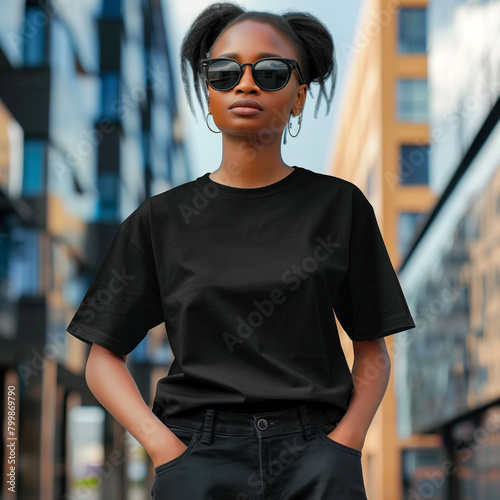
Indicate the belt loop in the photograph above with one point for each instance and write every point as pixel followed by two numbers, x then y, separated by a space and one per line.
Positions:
pixel 306 422
pixel 208 427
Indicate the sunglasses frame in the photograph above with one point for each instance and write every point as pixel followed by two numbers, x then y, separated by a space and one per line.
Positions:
pixel 292 64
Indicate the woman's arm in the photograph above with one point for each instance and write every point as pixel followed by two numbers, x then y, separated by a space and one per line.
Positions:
pixel 112 384
pixel 370 372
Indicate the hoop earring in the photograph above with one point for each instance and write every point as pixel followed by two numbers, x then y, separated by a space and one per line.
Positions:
pixel 288 128
pixel 299 123
pixel 211 130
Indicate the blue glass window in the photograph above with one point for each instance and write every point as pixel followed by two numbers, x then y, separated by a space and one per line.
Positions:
pixel 24 262
pixel 412 97
pixel 12 16
pixel 4 255
pixel 107 207
pixel 111 9
pixel 34 167
pixel 414 164
pixel 110 92
pixel 35 37
pixel 412 30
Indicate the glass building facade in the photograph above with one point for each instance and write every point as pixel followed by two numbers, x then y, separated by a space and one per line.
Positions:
pixel 463 79
pixel 89 129
pixel 448 369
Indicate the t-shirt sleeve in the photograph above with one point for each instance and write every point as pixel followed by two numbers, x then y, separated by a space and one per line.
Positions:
pixel 123 301
pixel 370 303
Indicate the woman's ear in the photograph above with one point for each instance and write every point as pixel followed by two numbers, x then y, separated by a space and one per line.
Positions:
pixel 300 100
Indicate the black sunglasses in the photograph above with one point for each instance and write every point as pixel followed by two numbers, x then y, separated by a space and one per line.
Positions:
pixel 271 73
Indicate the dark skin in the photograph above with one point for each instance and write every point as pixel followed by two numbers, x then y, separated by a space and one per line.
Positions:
pixel 251 144
pixel 251 158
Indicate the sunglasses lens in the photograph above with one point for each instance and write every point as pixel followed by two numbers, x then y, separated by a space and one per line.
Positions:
pixel 271 75
pixel 223 75
pixel 268 74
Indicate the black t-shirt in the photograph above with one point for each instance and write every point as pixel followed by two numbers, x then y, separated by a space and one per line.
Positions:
pixel 245 280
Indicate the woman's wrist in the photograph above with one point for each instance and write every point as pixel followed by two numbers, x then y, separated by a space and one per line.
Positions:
pixel 348 435
pixel 164 447
pixel 160 440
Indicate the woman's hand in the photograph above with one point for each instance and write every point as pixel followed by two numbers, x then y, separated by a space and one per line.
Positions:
pixel 345 436
pixel 369 387
pixel 121 397
pixel 167 447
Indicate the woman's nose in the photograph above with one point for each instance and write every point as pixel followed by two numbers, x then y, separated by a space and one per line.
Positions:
pixel 247 82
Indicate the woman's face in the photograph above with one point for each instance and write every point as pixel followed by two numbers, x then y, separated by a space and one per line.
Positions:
pixel 248 42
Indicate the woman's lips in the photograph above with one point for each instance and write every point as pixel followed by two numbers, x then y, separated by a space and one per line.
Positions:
pixel 245 110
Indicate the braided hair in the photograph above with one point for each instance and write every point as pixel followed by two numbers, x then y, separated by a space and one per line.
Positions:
pixel 310 37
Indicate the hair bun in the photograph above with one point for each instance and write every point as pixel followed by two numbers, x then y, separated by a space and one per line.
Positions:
pixel 320 51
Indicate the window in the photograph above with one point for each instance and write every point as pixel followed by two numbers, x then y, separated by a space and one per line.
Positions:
pixel 109 94
pixel 107 208
pixel 408 222
pixel 35 37
pixel 111 9
pixel 411 98
pixel 34 167
pixel 4 258
pixel 414 164
pixel 412 30
pixel 24 262
pixel 11 29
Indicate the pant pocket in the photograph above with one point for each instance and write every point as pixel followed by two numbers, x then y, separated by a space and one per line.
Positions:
pixel 190 438
pixel 340 465
pixel 324 430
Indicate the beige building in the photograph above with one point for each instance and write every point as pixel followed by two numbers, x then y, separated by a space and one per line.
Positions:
pixel 382 147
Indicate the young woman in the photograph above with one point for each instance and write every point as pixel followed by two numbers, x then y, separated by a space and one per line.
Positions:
pixel 246 266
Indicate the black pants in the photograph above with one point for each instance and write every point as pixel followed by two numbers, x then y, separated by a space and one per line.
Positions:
pixel 277 455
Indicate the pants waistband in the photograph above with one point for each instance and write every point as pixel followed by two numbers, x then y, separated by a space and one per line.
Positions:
pixel 211 421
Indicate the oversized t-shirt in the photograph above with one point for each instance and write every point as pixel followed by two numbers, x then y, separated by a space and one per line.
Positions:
pixel 247 281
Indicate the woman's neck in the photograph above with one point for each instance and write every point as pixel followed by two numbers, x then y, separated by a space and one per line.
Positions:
pixel 249 162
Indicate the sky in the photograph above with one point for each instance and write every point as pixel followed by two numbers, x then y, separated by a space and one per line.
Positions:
pixel 314 145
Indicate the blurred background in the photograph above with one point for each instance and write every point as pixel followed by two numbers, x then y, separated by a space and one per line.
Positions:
pixel 93 121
